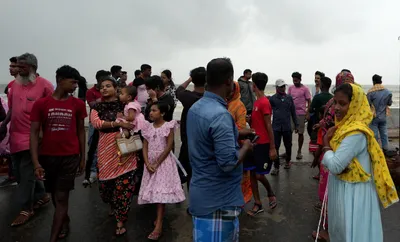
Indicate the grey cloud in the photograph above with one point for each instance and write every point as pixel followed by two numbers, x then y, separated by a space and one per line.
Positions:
pixel 309 22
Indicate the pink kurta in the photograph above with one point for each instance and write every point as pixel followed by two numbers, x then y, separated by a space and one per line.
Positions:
pixel 107 153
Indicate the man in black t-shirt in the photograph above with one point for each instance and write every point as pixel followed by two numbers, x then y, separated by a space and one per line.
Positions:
pixel 188 98
pixel 143 75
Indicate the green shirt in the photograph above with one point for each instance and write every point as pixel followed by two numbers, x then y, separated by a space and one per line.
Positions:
pixel 319 101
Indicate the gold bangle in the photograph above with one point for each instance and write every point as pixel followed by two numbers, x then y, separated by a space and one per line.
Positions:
pixel 112 124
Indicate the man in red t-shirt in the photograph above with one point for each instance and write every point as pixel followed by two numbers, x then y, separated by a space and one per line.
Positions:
pixel 264 151
pixel 61 154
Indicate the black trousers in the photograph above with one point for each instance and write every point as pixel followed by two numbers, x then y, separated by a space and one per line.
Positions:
pixel 92 151
pixel 287 142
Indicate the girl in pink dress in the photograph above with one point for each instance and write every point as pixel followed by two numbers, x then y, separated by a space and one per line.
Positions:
pixel 132 111
pixel 160 183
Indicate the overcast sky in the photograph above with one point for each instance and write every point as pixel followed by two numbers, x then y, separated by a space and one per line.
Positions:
pixel 275 37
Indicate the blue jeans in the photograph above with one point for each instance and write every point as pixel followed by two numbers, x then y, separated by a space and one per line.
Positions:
pixel 380 130
pixel 92 130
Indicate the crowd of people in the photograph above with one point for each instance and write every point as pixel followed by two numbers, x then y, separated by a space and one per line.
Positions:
pixel 230 131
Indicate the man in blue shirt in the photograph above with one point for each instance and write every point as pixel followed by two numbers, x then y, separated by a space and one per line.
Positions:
pixel 379 98
pixel 215 192
pixel 283 111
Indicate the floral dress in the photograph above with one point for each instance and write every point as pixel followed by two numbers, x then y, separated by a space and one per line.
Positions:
pixel 163 186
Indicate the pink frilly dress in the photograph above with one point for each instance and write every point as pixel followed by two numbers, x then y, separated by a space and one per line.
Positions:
pixel 139 120
pixel 164 185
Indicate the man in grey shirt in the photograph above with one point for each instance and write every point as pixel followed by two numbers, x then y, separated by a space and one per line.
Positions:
pixel 247 95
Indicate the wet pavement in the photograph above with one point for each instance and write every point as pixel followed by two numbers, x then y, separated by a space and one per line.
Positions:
pixel 292 221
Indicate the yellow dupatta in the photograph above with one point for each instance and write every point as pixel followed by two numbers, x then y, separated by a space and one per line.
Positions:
pixel 357 119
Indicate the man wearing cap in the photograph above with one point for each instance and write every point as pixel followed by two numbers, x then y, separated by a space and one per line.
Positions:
pixel 302 99
pixel 283 110
pixel 28 88
pixel 379 98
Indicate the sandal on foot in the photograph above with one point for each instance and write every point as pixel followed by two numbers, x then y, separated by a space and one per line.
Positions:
pixel 275 172
pixel 272 202
pixel 257 208
pixel 323 236
pixel 42 202
pixel 316 177
pixel 299 156
pixel 154 236
pixel 120 231
pixel 86 183
pixel 64 232
pixel 287 165
pixel 22 218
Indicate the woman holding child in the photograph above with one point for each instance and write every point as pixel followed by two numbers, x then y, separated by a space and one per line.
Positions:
pixel 116 174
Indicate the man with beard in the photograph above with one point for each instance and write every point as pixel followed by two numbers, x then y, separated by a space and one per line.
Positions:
pixel 215 193
pixel 28 88
pixel 302 100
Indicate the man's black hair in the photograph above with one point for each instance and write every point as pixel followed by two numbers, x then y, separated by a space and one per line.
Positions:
pixel 347 70
pixel 198 76
pixel 144 67
pixel 377 79
pixel 296 75
pixel 155 83
pixel 67 72
pixel 260 80
pixel 101 74
pixel 320 74
pixel 326 83
pixel 246 71
pixel 137 73
pixel 115 69
pixel 13 59
pixel 219 71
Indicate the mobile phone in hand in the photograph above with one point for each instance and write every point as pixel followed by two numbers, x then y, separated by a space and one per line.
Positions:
pixel 254 140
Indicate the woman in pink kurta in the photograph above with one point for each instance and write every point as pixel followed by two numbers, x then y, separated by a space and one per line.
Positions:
pixel 116 174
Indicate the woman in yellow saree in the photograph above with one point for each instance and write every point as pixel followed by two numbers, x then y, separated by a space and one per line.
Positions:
pixel 359 175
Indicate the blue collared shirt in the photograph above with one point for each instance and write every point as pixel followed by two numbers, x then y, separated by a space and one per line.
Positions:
pixel 380 99
pixel 213 153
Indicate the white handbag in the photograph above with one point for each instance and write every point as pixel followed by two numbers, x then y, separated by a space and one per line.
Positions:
pixel 129 145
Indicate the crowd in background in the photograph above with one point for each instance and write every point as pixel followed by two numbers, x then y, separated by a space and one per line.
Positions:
pixel 231 133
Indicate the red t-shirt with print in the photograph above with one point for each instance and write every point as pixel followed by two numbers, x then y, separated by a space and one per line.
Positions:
pixel 58 119
pixel 261 108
